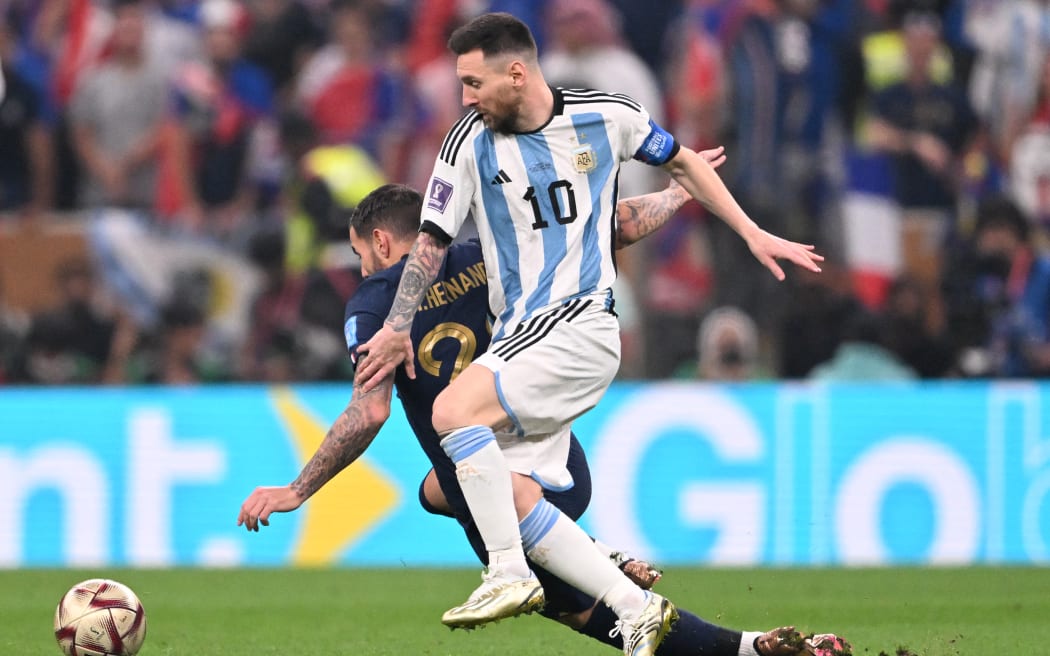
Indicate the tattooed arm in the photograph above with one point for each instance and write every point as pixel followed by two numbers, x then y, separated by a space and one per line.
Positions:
pixel 640 216
pixel 392 345
pixel 346 440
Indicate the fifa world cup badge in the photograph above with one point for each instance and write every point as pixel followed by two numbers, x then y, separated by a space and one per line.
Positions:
pixel 583 158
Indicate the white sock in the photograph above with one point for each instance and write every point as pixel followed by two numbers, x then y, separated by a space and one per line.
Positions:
pixel 747 643
pixel 486 484
pixel 556 543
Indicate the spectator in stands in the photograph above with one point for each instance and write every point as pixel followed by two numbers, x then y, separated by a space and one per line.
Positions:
pixel 697 73
pixel 434 83
pixel 677 287
pixel 83 308
pixel 297 312
pixel 25 141
pixel 863 355
pixel 182 358
pixel 678 260
pixel 1013 41
pixel 1030 160
pixel 811 327
pixel 783 81
pixel 224 113
pixel 174 353
pixel 116 115
pixel 170 42
pixel 281 36
pixel 48 359
pixel 650 23
pixel 323 181
pixel 64 39
pixel 728 346
pixel 914 323
pixel 999 292
pixel 926 127
pixel 353 95
pixel 68 342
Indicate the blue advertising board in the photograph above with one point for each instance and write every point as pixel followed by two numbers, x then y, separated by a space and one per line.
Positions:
pixel 684 473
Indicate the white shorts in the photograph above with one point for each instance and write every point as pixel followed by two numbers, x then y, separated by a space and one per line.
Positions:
pixel 556 366
pixel 541 457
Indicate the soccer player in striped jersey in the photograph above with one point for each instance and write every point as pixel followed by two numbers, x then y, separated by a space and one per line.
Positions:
pixel 451 329
pixel 537 168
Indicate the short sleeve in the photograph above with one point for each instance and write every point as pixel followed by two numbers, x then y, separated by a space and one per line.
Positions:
pixel 365 313
pixel 450 190
pixel 643 139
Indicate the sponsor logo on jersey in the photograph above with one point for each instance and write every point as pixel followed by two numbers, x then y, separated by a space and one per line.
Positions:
pixel 439 194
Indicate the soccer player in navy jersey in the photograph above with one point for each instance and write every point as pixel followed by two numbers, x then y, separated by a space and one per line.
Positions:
pixel 537 167
pixel 451 330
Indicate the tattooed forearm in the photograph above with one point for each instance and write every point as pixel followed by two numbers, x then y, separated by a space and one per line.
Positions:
pixel 640 216
pixel 346 440
pixel 421 268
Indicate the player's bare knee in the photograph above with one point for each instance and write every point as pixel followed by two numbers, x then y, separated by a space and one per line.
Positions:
pixel 447 414
pixel 527 493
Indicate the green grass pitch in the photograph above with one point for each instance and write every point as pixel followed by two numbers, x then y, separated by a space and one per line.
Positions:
pixel 933 612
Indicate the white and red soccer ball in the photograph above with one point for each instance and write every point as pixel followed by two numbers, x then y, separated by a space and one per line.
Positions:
pixel 99 617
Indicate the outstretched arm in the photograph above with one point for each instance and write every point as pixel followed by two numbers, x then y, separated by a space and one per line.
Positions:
pixel 346 440
pixel 703 184
pixel 640 216
pixel 392 345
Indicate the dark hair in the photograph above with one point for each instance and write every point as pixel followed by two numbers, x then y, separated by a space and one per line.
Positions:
pixel 494 34
pixel 998 211
pixel 395 207
pixel 865 326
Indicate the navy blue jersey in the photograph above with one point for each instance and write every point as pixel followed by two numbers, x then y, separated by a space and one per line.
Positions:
pixel 450 329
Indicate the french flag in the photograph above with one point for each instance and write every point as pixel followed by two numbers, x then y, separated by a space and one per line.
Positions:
pixel 871 226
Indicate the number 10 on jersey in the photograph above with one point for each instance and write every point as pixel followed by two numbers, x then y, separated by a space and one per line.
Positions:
pixel 562 204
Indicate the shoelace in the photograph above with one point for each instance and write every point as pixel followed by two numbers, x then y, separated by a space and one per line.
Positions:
pixel 624 627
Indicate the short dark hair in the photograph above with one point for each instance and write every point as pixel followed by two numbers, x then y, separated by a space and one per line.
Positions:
pixel 495 34
pixel 395 207
pixel 998 211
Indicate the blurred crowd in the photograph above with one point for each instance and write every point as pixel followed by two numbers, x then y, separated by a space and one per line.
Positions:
pixel 209 153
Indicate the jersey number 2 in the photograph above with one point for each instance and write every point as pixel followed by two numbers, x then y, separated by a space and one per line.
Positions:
pixel 468 343
pixel 565 215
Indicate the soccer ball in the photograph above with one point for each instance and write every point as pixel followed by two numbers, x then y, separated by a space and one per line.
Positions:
pixel 99 617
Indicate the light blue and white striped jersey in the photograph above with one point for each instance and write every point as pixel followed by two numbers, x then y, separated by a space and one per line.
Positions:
pixel 544 202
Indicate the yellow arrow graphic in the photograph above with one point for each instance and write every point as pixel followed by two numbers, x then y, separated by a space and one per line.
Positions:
pixel 348 506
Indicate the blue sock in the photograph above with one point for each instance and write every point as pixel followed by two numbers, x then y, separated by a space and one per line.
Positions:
pixel 690 635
